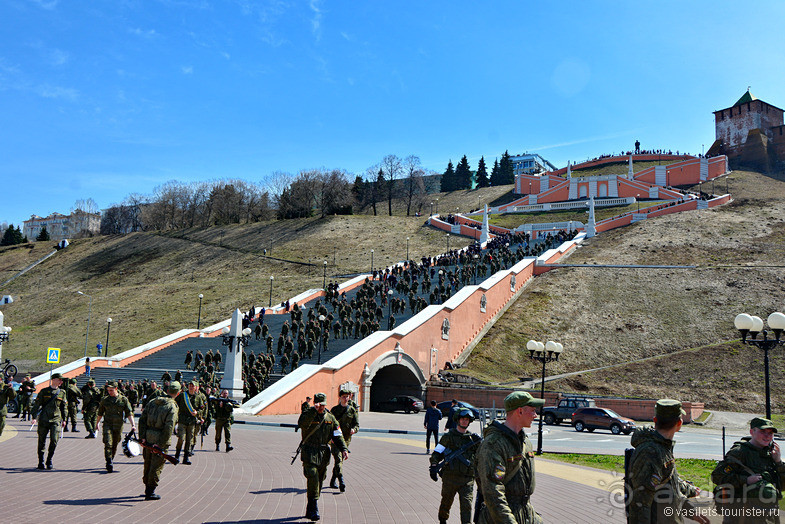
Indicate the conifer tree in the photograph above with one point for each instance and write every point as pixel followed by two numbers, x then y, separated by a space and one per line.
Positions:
pixel 463 174
pixel 506 174
pixel 448 179
pixel 482 174
pixel 496 174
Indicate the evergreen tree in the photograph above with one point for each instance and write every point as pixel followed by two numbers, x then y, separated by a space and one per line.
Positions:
pixel 12 236
pixel 482 174
pixel 448 179
pixel 43 236
pixel 359 191
pixel 507 176
pixel 463 174
pixel 496 174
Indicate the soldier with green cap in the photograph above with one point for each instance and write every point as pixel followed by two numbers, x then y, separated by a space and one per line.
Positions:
pixel 750 478
pixel 25 397
pixel 458 474
pixel 223 420
pixel 192 408
pixel 155 427
pixel 505 464
pixel 6 393
pixel 349 420
pixel 657 493
pixel 73 394
pixel 318 427
pixel 49 411
pixel 112 408
pixel 91 398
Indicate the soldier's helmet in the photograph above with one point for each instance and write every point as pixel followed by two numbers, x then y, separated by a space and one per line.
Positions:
pixel 463 412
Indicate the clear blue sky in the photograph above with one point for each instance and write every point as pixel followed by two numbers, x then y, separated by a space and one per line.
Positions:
pixel 103 98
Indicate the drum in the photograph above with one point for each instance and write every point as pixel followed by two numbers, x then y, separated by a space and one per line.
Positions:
pixel 131 448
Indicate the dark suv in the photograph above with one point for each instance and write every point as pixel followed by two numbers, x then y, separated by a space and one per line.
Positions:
pixel 601 418
pixel 565 409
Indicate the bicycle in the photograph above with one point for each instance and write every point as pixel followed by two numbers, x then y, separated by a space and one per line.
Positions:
pixel 9 370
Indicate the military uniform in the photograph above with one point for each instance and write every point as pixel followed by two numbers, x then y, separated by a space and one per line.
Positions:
pixel 155 427
pixel 6 393
pixel 317 430
pixel 113 410
pixel 223 422
pixel 91 397
pixel 457 475
pixel 349 420
pixel 49 409
pixel 735 496
pixel 73 394
pixel 657 492
pixel 25 398
pixel 187 421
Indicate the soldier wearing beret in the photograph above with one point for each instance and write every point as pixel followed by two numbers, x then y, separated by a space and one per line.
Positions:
pixel 751 476
pixel 91 398
pixel 505 464
pixel 112 408
pixel 349 420
pixel 155 427
pixel 6 393
pixel 458 474
pixel 318 427
pixel 49 410
pixel 657 492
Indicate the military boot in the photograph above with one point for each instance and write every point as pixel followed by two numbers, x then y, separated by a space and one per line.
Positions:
pixel 332 481
pixel 73 428
pixel 149 494
pixel 186 461
pixel 109 466
pixel 49 460
pixel 177 454
pixel 229 448
pixel 17 415
pixel 41 460
pixel 217 446
pixel 65 428
pixel 341 485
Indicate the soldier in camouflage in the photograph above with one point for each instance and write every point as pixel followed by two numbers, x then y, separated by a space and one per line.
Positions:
pixel 505 464
pixel 188 420
pixel 349 420
pixel 223 420
pixel 112 408
pixel 318 427
pixel 49 410
pixel 459 473
pixel 91 398
pixel 25 397
pixel 73 395
pixel 6 393
pixel 751 476
pixel 155 427
pixel 658 495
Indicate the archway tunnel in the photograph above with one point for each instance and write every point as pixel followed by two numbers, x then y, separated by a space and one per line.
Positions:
pixel 391 381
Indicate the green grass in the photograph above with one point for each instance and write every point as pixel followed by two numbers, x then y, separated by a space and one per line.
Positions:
pixel 618 168
pixel 513 220
pixel 697 471
pixel 703 416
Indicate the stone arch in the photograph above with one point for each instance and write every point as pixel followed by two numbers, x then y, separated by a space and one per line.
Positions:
pixel 583 191
pixel 393 373
pixel 603 189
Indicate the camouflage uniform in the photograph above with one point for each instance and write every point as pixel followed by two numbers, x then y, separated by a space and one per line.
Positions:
pixel 186 423
pixel 91 397
pixel 113 410
pixel 223 421
pixel 505 468
pixel 49 409
pixel 6 393
pixel 349 419
pixel 657 492
pixel 73 395
pixel 26 397
pixel 457 477
pixel 734 494
pixel 155 427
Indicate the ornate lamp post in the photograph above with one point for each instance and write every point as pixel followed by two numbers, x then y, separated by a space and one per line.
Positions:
pixel 476 268
pixel 544 353
pixel 321 338
pixel 199 318
pixel 431 209
pixel 389 302
pixel 271 291
pixel 235 337
pixel 448 242
pixel 324 277
pixel 89 312
pixel 371 260
pixel 407 249
pixel 108 325
pixel 751 325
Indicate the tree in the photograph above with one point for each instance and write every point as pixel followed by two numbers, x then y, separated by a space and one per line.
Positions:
pixel 379 190
pixel 85 205
pixel 8 237
pixel 334 194
pixel 391 168
pixel 43 236
pixel 463 174
pixel 448 178
pixel 482 174
pixel 359 193
pixel 506 171
pixel 414 187
pixel 496 174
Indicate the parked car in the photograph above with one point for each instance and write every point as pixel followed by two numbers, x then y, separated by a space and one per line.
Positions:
pixel 445 406
pixel 406 403
pixel 601 418
pixel 567 406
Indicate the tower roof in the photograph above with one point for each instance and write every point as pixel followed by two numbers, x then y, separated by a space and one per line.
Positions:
pixel 746 97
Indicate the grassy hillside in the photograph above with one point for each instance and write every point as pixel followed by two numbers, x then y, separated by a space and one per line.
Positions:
pixel 619 168
pixel 612 316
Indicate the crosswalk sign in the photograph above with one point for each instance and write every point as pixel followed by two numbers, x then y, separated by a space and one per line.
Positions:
pixel 53 356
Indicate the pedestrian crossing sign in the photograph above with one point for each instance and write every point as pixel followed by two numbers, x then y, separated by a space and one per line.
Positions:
pixel 53 356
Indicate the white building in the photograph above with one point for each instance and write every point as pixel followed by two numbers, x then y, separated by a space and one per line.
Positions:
pixel 59 226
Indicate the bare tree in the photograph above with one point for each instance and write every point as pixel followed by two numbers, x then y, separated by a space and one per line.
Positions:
pixel 414 186
pixel 87 205
pixel 391 169
pixel 335 194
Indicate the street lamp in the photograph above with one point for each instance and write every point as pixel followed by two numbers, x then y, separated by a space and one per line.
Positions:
pixel 540 352
pixel 389 302
pixel 431 209
pixel 476 257
pixel 229 339
pixel 271 291
pixel 448 242
pixel 321 338
pixel 108 325
pixel 371 260
pixel 199 318
pixel 89 312
pixel 407 249
pixel 324 278
pixel 637 201
pixel 751 325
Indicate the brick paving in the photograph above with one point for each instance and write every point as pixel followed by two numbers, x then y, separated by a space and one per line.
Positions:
pixel 386 476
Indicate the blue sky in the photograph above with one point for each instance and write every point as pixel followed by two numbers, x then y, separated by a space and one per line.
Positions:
pixel 103 98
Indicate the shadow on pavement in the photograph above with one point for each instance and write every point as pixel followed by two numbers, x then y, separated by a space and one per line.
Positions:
pixel 267 521
pixel 278 490
pixel 52 471
pixel 120 501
